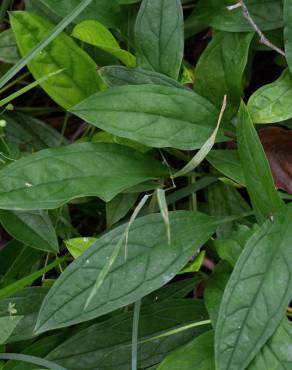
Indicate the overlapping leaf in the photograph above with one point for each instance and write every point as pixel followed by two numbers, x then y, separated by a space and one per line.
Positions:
pixel 257 294
pixel 52 177
pixel 159 36
pixel 257 172
pixel 79 78
pixel 158 116
pixel 150 258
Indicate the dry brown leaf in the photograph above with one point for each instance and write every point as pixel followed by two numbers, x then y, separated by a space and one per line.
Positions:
pixel 277 143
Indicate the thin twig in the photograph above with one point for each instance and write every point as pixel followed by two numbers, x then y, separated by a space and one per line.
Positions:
pixel 79 132
pixel 248 17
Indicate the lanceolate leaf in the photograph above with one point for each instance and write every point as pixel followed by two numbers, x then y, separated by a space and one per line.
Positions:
pixel 157 116
pixel 33 228
pixel 79 78
pixel 220 69
pixel 271 103
pixel 150 259
pixel 258 176
pixel 257 294
pixel 52 177
pixel 119 76
pixel 159 36
pixel 107 345
pixel 97 34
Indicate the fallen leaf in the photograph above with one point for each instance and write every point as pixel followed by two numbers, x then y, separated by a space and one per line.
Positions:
pixel 277 143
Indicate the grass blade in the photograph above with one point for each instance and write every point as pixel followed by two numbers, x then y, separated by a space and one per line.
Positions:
pixel 45 42
pixel 31 359
pixel 27 88
pixel 135 335
pixel 205 149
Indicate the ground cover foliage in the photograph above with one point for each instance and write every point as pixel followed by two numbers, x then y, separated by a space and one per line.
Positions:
pixel 145 184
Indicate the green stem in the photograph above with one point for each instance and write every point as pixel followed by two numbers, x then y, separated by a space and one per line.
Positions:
pixel 14 82
pixel 135 334
pixel 31 359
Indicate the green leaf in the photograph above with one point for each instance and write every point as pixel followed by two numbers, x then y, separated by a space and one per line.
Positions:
pixel 259 181
pixel 220 69
pixel 224 200
pixel 271 103
pixel 108 343
pixel 206 147
pixel 230 249
pixel 33 228
pixel 177 289
pixel 120 76
pixel 79 78
pixel 106 137
pixel 276 354
pixel 267 14
pixel 104 11
pixel 8 324
pixel 52 177
pixel 182 119
pixel 30 133
pixel 118 207
pixel 77 246
pixel 8 47
pixel 287 14
pixel 198 353
pixel 215 288
pixel 257 294
pixel 159 36
pixel 26 304
pixel 9 290
pixel 17 261
pixel 227 162
pixel 150 259
pixel 95 33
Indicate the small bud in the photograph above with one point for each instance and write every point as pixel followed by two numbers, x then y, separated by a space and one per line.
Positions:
pixel 10 107
pixel 3 123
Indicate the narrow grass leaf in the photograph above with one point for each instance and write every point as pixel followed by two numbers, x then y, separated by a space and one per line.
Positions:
pixel 205 149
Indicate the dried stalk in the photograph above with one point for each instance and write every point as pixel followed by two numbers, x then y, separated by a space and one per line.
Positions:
pixel 248 17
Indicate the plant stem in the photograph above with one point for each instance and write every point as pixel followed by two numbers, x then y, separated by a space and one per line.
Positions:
pixel 248 17
pixel 135 334
pixel 24 75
